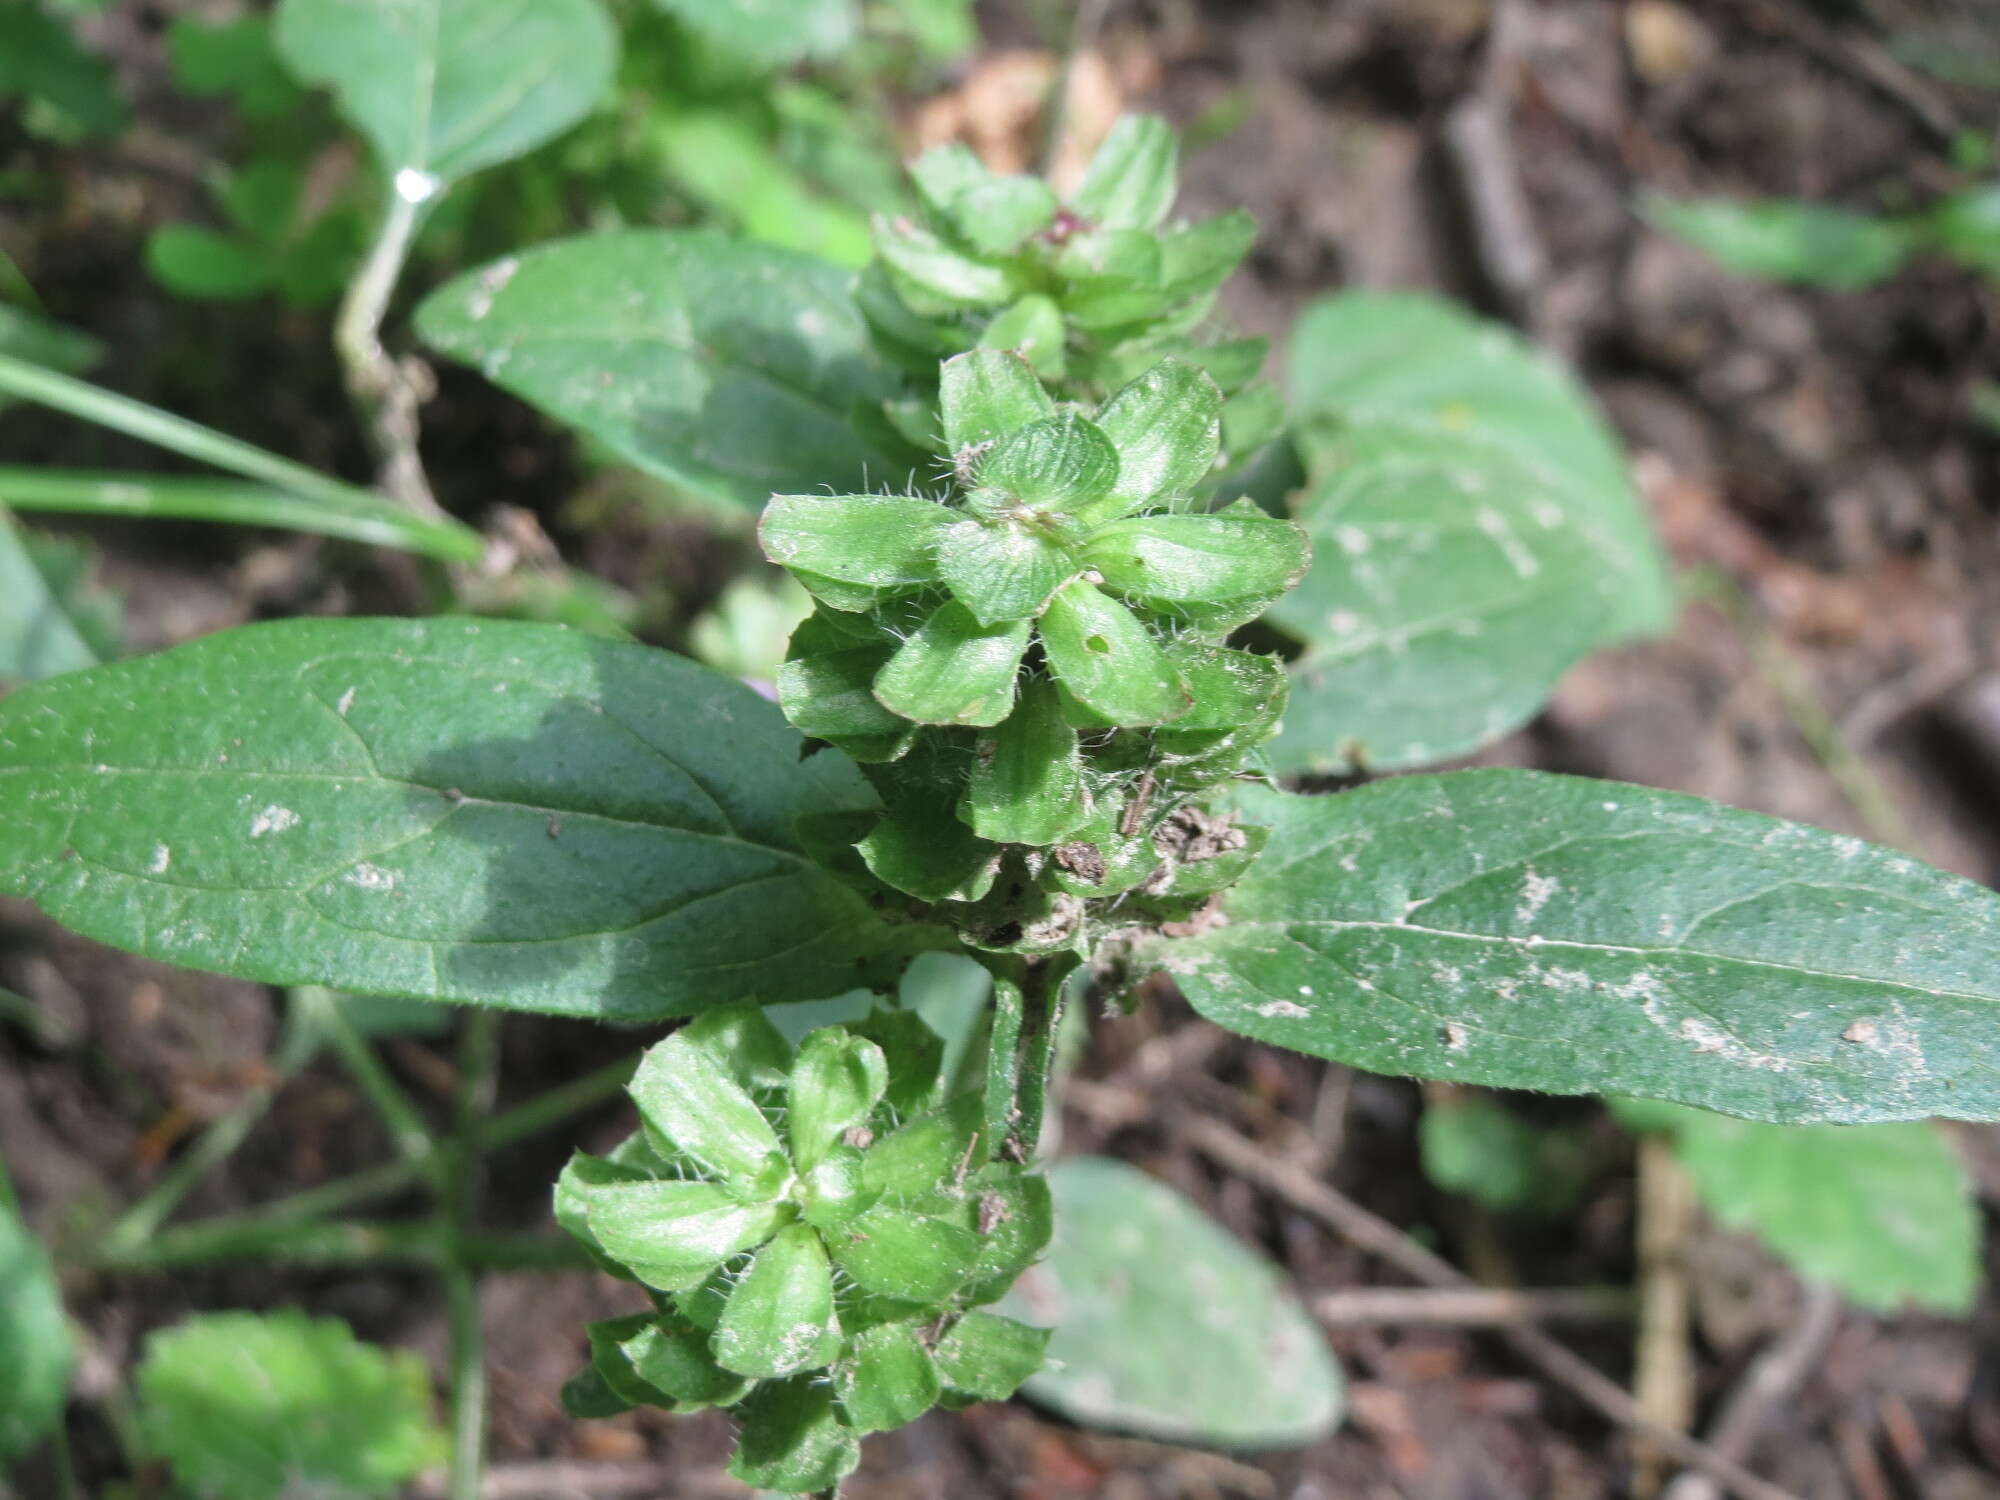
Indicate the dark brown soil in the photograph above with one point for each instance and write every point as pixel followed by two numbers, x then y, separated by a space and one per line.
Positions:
pixel 1816 448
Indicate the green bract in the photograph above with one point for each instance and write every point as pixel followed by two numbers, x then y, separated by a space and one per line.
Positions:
pixel 1034 660
pixel 816 1229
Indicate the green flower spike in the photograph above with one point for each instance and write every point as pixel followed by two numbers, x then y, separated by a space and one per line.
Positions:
pixel 816 1236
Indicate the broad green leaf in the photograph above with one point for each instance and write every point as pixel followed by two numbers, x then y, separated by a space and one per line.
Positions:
pixel 1166 1325
pixel 1884 1213
pixel 954 670
pixel 913 1159
pixel 1027 777
pixel 671 1235
pixel 1575 936
pixel 1102 654
pixel 1132 179
pixel 767 35
pixel 34 1376
pixel 1449 590
pixel 734 369
pixel 915 1053
pixel 884 541
pixel 236 57
pixel 1002 569
pixel 887 1378
pixel 743 1037
pixel 1167 428
pixel 1781 239
pixel 1228 565
pixel 48 623
pixel 1063 462
pixel 921 847
pixel 442 88
pixel 250 1406
pixel 836 1083
pixel 1114 277
pixel 986 394
pixel 516 815
pixel 780 1318
pixel 933 277
pixel 832 697
pixel 1399 354
pixel 190 261
pixel 995 216
pixel 40 60
pixel 940 174
pixel 687 1092
pixel 1020 1214
pixel 896 1253
pixel 793 1440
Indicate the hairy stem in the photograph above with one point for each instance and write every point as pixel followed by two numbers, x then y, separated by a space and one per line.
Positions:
pixel 386 393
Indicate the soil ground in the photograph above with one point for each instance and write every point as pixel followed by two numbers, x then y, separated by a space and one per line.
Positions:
pixel 1814 448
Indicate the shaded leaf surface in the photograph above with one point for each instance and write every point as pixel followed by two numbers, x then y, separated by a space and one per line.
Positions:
pixel 1883 1212
pixel 1784 240
pixel 1550 932
pixel 1449 589
pixel 51 618
pixel 1165 1324
pixel 446 87
pixel 733 368
pixel 455 810
pixel 34 1376
pixel 1400 354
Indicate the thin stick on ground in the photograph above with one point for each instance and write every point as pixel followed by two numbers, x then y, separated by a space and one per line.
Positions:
pixel 1471 1307
pixel 1663 1365
pixel 1378 1236
pixel 1772 1377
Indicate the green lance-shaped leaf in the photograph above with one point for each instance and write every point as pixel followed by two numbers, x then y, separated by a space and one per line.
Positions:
pixel 1003 569
pixel 34 1377
pixel 1575 936
pixel 1131 180
pixel 1401 355
pixel 1812 244
pixel 445 87
pixel 897 1253
pixel 733 368
pixel 1167 427
pixel 988 1356
pixel 249 1406
pixel 1060 463
pixel 836 1083
pixel 831 696
pixel 579 1175
pixel 780 1318
pixel 954 670
pixel 887 1378
pixel 1032 328
pixel 1449 590
pixel 672 1235
pixel 793 1440
pixel 1228 566
pixel 986 394
pixel 1027 780
pixel 1167 1325
pixel 1108 660
pixel 686 1092
pixel 933 277
pixel 506 814
pixel 1885 1213
pixel 883 541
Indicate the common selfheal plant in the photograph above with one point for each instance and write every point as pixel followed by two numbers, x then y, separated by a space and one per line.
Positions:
pixel 1023 726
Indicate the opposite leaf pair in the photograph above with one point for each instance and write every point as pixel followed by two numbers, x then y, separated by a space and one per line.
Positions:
pixel 817 1231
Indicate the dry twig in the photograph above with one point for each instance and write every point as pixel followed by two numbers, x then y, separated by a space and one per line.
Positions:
pixel 1379 1237
pixel 1471 1307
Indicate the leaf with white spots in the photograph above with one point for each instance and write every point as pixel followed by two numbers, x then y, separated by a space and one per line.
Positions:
pixel 1448 591
pixel 1366 355
pixel 734 369
pixel 1549 932
pixel 517 815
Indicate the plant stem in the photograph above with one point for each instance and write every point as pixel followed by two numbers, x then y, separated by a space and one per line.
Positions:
pixel 296 1047
pixel 232 502
pixel 479 1054
pixel 221 1237
pixel 413 1139
pixel 419 1243
pixel 385 394
pixel 136 419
